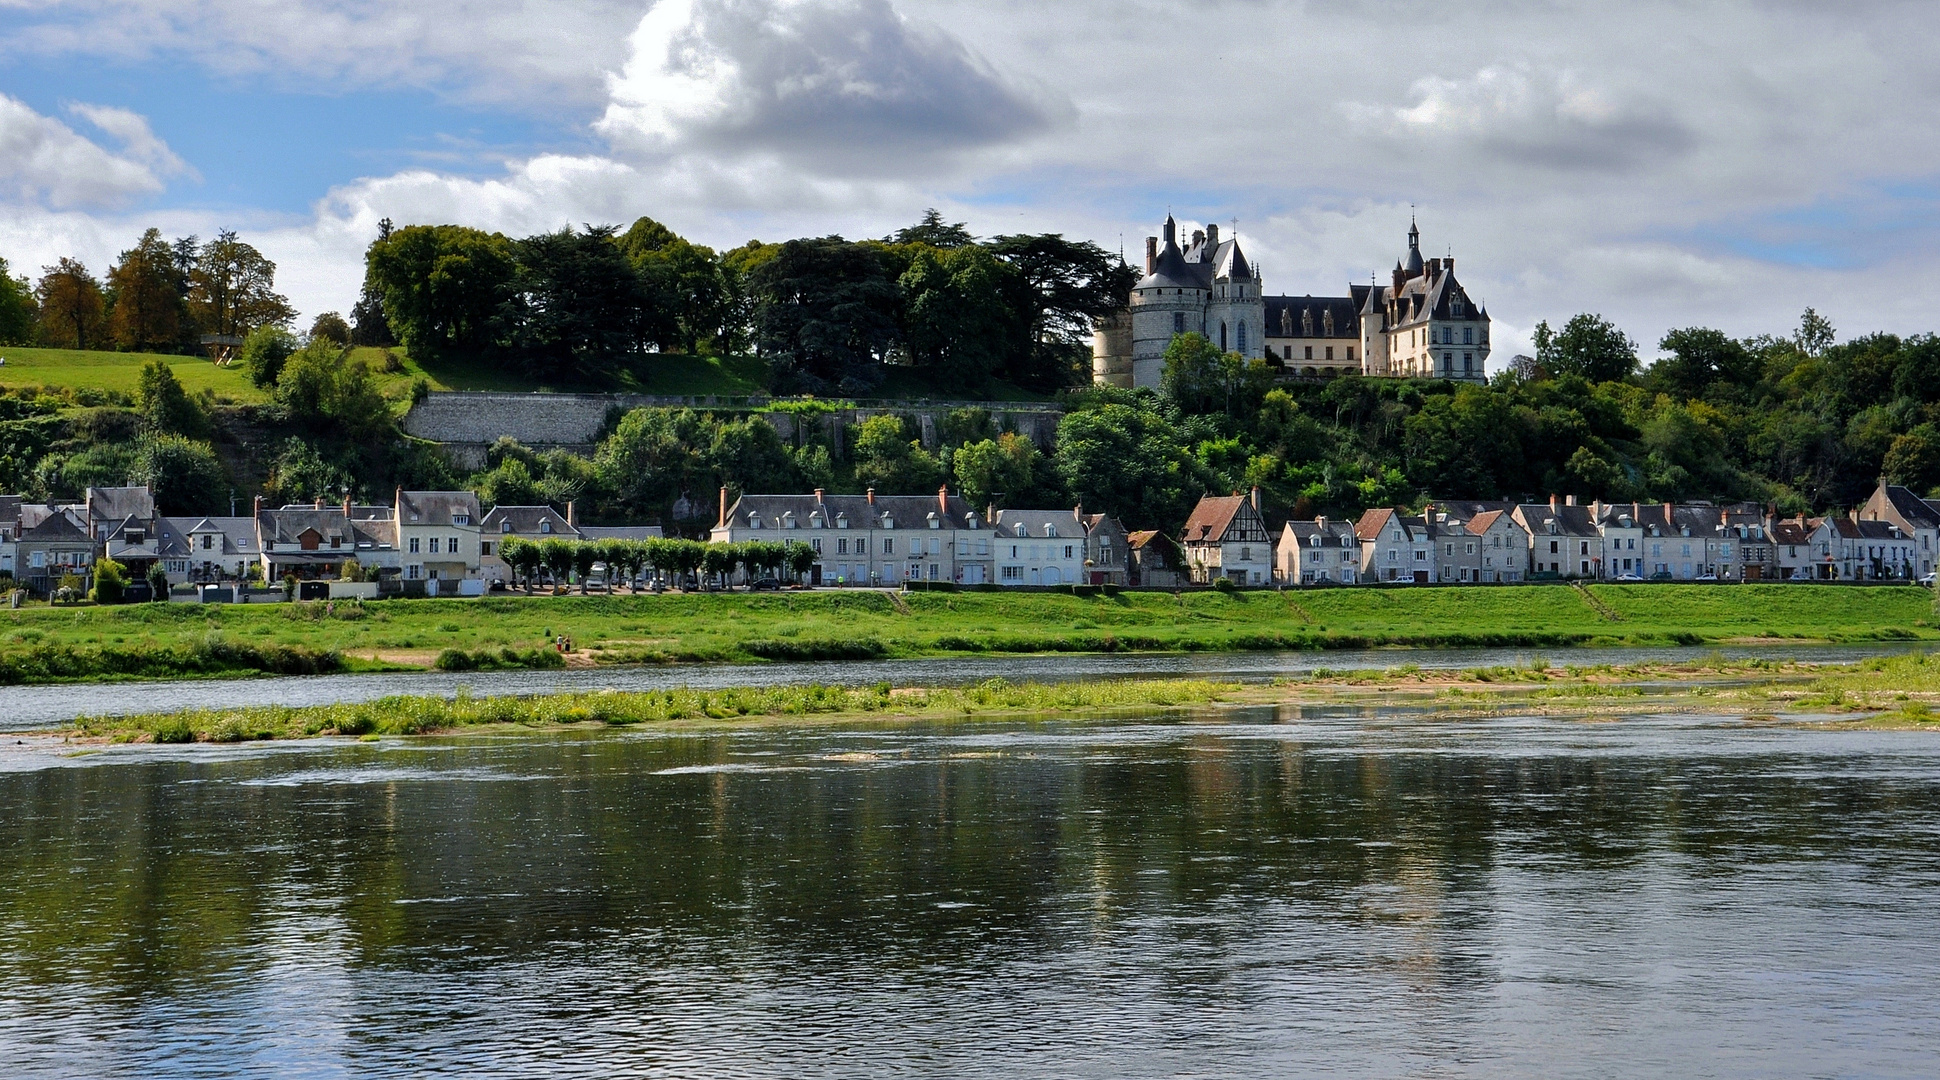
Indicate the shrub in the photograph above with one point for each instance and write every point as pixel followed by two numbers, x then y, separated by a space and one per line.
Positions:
pixel 826 649
pixel 158 582
pixel 110 582
pixel 175 729
pixel 1225 585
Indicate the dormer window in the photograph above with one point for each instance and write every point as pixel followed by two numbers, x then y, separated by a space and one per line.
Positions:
pixel 1314 540
pixel 505 526
pixel 754 520
pixel 934 521
pixel 461 519
pixel 545 526
pixel 842 520
pixel 888 522
pixel 788 519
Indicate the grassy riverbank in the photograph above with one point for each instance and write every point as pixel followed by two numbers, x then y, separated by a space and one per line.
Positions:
pixel 867 624
pixel 1897 692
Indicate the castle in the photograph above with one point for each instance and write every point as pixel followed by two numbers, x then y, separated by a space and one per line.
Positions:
pixel 1421 325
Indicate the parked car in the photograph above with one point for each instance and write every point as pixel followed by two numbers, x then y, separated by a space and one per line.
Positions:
pixel 1927 581
pixel 766 584
pixel 1661 575
pixel 1628 577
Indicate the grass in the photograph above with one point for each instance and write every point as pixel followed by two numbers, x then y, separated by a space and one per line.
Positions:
pixel 119 371
pixel 1899 692
pixel 423 715
pixel 866 624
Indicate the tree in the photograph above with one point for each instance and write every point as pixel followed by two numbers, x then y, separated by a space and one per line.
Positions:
pixel 557 554
pixel 443 287
pixel 1914 459
pixel 1060 289
pixel 584 556
pixel 17 308
pixel 147 298
pixel 825 315
pixel 1815 334
pixel 1199 378
pixel 889 460
pixel 1128 462
pixel 933 231
pixel 954 317
pixel 334 396
pixel 368 324
pixel 1700 357
pixel 185 476
pixel 1006 465
pixel 577 304
pixel 801 558
pixel 158 583
pixel 165 407
pixel 652 457
pixel 232 289
pixel 110 581
pixel 690 300
pixel 717 561
pixel 330 327
pixel 1588 345
pixel 264 352
pixel 71 306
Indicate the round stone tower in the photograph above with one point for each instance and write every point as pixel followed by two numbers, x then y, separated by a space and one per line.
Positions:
pixel 1170 299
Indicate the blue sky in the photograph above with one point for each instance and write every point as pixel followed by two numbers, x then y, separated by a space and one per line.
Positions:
pixel 1665 164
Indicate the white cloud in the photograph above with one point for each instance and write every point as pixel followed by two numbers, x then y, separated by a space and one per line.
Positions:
pixel 841 85
pixel 44 159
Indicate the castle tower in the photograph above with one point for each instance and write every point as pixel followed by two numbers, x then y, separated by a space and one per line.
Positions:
pixel 1169 300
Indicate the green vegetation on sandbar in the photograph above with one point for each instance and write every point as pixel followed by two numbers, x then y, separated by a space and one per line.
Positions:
pixel 421 715
pixel 867 624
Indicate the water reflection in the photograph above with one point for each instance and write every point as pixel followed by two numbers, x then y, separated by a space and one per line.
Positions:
pixel 1289 892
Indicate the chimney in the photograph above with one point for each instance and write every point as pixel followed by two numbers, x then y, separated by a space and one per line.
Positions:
pixel 1554 503
pixel 1320 522
pixel 1198 237
pixel 1151 255
pixel 1670 515
pixel 1212 236
pixel 257 509
pixel 1078 514
pixel 346 506
pixel 572 511
pixel 1400 279
pixel 319 504
pixel 943 501
pixel 870 494
pixel 1569 500
pixel 818 496
pixel 397 502
pixel 723 520
pixel 1256 489
pixel 1448 264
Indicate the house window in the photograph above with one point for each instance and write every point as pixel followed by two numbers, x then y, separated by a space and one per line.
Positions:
pixel 842 547
pixel 451 545
pixel 434 546
pixel 1013 573
pixel 889 545
pixel 816 544
pixel 208 542
pixel 414 545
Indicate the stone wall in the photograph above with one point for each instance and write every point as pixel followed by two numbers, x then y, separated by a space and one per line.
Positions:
pixel 467 423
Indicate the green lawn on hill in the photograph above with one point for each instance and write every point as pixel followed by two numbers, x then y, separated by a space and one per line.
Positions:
pixel 740 626
pixel 119 371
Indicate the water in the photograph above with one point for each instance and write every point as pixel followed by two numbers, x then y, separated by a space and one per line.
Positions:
pixel 1310 892
pixel 23 708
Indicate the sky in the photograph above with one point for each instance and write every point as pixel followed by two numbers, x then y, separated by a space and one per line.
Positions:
pixel 1670 164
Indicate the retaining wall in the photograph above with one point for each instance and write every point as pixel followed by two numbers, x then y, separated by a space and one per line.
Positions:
pixel 466 423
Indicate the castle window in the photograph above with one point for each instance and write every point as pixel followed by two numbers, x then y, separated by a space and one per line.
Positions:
pixel 1242 336
pixel 1455 306
pixel 1330 352
pixel 1310 352
pixel 1327 322
pixel 1222 337
pixel 1288 349
pixel 1178 322
pixel 1307 322
pixel 1468 335
pixel 1350 352
pixel 1286 323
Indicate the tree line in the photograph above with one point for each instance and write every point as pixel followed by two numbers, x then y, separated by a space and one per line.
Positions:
pixel 561 557
pixel 159 296
pixel 828 314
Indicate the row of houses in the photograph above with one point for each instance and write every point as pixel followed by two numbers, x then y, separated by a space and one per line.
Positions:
pixel 441 538
pixel 1893 537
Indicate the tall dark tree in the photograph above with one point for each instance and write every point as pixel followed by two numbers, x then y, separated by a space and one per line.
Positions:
pixel 1700 357
pixel 954 317
pixel 689 302
pixel 147 313
pixel 17 308
pixel 825 315
pixel 933 231
pixel 368 324
pixel 576 303
pixel 71 306
pixel 1062 287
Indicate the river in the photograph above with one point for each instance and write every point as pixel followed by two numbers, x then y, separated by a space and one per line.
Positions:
pixel 1261 893
pixel 24 708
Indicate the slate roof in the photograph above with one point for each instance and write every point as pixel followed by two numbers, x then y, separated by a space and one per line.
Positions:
pixel 1880 530
pixel 1331 533
pixel 119 504
pixel 287 525
pixel 1569 520
pixel 436 507
pixel 47 524
pixel 525 521
pixel 176 541
pixel 906 511
pixel 1039 523
pixel 620 532
pixel 1284 316
pixel 1794 530
pixel 1918 512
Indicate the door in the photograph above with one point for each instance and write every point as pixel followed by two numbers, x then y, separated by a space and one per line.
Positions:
pixel 1421 577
